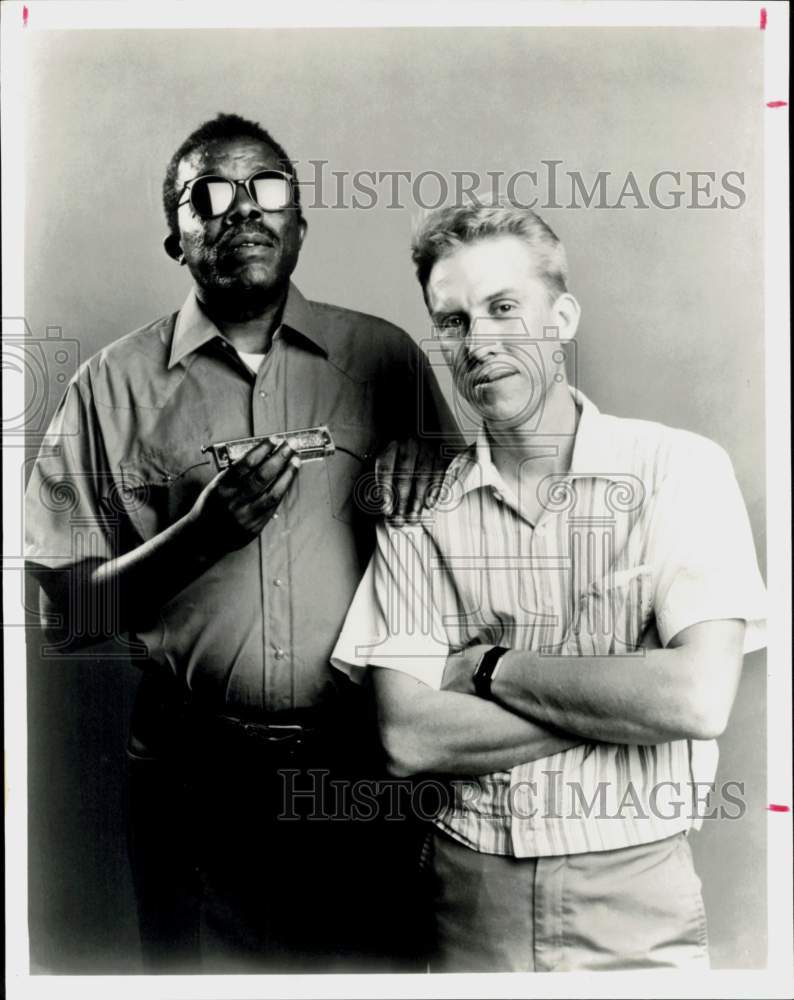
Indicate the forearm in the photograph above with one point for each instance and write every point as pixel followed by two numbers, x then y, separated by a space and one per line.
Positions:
pixel 450 733
pixel 128 593
pixel 122 594
pixel 652 697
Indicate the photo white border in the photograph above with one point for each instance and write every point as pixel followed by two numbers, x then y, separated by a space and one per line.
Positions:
pixel 778 979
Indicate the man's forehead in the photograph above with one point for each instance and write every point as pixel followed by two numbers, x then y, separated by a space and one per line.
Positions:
pixel 229 156
pixel 478 270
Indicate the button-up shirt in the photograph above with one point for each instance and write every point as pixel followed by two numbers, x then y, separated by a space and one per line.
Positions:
pixel 123 460
pixel 648 523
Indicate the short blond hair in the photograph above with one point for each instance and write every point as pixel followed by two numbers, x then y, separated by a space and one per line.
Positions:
pixel 445 229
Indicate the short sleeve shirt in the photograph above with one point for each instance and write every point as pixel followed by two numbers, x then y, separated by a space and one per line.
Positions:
pixel 124 459
pixel 648 524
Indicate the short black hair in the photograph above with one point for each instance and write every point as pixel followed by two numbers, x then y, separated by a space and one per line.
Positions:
pixel 224 126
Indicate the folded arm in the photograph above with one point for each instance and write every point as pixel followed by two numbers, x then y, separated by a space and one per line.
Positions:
pixel 429 731
pixel 685 691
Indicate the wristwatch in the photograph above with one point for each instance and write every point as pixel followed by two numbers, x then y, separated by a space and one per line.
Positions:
pixel 485 669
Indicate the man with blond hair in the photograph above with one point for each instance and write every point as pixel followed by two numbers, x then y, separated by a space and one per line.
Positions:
pixel 565 632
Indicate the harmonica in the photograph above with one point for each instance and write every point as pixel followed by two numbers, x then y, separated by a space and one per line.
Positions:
pixel 311 443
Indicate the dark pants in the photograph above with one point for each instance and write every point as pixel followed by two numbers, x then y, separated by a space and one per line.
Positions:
pixel 235 872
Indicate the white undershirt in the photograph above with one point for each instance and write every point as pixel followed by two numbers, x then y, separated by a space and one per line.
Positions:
pixel 252 360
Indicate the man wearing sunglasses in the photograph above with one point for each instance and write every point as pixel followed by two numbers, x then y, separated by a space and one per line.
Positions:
pixel 235 582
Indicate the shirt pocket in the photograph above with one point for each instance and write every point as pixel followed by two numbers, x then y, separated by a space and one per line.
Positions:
pixel 159 490
pixel 349 473
pixel 611 616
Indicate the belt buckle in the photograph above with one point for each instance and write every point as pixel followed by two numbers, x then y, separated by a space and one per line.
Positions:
pixel 275 733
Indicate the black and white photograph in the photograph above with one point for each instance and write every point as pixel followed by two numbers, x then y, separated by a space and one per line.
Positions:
pixel 396 542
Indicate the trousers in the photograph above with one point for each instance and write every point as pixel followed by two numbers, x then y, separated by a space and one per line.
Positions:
pixel 633 908
pixel 245 859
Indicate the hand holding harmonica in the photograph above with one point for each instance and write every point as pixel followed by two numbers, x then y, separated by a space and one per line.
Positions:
pixel 311 443
pixel 236 505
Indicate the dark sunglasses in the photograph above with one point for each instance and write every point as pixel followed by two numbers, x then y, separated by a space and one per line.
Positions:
pixel 211 196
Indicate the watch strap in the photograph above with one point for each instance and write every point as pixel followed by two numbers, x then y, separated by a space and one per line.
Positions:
pixel 483 674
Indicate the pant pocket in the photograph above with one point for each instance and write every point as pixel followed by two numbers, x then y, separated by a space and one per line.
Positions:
pixel 694 895
pixel 637 907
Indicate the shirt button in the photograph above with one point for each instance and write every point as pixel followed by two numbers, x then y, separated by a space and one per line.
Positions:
pixel 263 394
pixel 275 516
pixel 278 582
pixel 280 654
pixel 497 496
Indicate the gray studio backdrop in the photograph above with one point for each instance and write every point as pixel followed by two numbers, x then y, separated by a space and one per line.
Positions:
pixel 672 312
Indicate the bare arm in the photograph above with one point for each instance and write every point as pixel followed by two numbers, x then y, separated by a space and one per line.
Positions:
pixel 684 691
pixel 428 731
pixel 126 593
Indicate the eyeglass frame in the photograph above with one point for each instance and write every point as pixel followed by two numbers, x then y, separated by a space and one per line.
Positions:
pixel 237 185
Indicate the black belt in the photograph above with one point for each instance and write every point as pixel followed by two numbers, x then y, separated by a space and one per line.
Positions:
pixel 164 718
pixel 287 732
pixel 276 733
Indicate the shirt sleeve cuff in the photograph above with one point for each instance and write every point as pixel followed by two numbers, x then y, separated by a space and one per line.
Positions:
pixel 424 665
pixel 669 623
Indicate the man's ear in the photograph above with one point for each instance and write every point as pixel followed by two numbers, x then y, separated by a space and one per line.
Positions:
pixel 173 248
pixel 303 225
pixel 567 312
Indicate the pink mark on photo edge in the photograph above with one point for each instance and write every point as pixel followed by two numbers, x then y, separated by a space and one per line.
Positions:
pixel 777 104
pixel 763 19
pixel 24 16
pixel 775 808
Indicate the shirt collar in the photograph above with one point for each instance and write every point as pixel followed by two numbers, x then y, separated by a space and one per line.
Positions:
pixel 193 328
pixel 595 451
pixel 302 319
pixel 594 456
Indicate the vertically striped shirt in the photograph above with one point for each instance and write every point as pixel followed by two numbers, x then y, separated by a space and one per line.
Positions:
pixel 648 523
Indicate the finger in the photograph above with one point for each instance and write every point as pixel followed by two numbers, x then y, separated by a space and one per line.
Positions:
pixel 435 489
pixel 429 474
pixel 264 506
pixel 251 459
pixel 384 472
pixel 421 486
pixel 262 477
pixel 403 480
pixel 284 480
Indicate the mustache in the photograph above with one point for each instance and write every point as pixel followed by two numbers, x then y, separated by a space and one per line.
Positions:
pixel 248 229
